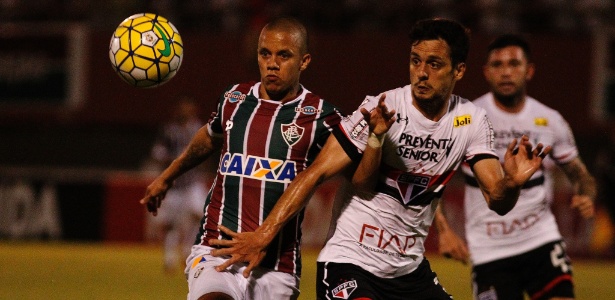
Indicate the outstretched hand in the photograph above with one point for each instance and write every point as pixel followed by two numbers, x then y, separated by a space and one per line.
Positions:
pixel 521 162
pixel 450 245
pixel 380 118
pixel 249 247
pixel 584 204
pixel 154 194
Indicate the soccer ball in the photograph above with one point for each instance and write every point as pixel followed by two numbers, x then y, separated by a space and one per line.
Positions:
pixel 146 50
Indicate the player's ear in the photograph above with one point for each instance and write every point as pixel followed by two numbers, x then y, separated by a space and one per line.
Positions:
pixel 531 69
pixel 460 69
pixel 305 61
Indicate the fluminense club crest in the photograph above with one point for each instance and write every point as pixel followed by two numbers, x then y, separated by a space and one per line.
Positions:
pixel 292 133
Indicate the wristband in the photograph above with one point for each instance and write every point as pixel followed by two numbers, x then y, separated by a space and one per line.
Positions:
pixel 375 141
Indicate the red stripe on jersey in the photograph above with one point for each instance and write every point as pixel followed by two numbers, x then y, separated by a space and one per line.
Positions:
pixel 257 145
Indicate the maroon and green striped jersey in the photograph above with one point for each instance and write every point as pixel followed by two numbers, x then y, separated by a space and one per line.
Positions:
pixel 265 145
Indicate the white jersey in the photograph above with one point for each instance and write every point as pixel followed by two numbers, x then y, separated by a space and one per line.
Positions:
pixel 530 223
pixel 385 233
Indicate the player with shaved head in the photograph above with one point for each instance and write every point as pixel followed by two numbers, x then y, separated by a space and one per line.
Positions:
pixel 267 132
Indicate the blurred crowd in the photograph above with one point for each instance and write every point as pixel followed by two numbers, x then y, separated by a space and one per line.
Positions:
pixel 490 16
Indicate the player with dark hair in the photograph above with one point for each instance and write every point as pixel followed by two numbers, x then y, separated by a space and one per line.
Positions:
pixel 267 132
pixel 521 252
pixel 408 143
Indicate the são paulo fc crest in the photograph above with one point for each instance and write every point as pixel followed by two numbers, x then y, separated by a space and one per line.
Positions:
pixel 344 290
pixel 292 133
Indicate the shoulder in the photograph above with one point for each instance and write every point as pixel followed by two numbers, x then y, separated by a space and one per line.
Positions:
pixel 541 108
pixel 463 105
pixel 397 93
pixel 483 100
pixel 315 100
pixel 395 98
pixel 244 87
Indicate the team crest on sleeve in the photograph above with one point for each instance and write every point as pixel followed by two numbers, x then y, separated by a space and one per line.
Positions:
pixel 292 133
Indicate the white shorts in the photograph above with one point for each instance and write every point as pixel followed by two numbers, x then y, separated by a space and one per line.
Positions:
pixel 263 284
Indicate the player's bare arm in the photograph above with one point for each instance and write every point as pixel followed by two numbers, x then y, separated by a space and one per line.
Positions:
pixel 450 245
pixel 251 247
pixel 200 148
pixel 380 120
pixel 585 187
pixel 501 186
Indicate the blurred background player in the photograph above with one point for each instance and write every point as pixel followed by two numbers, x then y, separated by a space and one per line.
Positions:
pixel 178 221
pixel 522 251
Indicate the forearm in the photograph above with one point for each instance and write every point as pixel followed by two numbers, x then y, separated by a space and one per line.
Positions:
pixel 332 160
pixel 499 188
pixel 504 197
pixel 587 187
pixel 581 179
pixel 294 199
pixel 199 149
pixel 366 175
pixel 440 220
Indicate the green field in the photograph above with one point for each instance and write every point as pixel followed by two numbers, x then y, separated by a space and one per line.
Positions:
pixel 101 271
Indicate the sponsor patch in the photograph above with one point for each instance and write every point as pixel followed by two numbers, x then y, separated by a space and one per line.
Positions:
pixel 541 122
pixel 261 168
pixel 400 119
pixel 308 110
pixel 234 96
pixel 344 290
pixel 462 121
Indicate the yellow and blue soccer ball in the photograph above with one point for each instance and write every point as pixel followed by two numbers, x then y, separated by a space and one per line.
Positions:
pixel 146 50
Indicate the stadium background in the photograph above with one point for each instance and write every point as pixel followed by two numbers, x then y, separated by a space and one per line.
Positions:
pixel 75 138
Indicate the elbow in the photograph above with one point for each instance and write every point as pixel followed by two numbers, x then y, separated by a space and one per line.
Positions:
pixel 501 208
pixel 500 211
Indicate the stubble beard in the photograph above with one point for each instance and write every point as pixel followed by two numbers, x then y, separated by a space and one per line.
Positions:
pixel 509 100
pixel 432 106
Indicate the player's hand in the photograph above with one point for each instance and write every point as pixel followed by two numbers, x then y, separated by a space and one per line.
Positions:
pixel 154 194
pixel 584 204
pixel 521 162
pixel 450 245
pixel 380 119
pixel 249 247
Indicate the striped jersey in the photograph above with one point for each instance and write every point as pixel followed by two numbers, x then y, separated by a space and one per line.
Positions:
pixel 530 223
pixel 384 233
pixel 266 144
